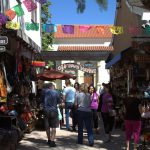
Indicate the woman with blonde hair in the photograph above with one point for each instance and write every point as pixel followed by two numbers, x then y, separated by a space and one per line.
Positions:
pixel 82 103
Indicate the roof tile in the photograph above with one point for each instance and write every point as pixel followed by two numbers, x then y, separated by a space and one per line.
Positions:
pixel 91 33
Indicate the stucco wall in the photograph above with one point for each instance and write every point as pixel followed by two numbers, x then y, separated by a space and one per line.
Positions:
pixel 124 18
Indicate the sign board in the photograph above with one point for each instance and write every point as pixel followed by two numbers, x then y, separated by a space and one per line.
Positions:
pixel 3 40
pixel 73 66
pixel 2 49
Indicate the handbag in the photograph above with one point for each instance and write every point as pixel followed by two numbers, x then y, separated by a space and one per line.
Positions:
pixel 94 102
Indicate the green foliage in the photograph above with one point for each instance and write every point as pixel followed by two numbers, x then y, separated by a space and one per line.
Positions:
pixel 47 38
pixel 81 5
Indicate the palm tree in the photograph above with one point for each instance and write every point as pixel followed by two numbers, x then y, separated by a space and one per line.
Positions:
pixel 81 5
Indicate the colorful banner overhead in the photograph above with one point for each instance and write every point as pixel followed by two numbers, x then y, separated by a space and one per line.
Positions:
pixel 49 28
pixel 134 30
pixel 3 19
pixel 100 29
pixel 42 1
pixel 116 30
pixel 10 13
pixel 30 5
pixel 68 29
pixel 19 11
pixel 32 26
pixel 84 28
pixel 12 25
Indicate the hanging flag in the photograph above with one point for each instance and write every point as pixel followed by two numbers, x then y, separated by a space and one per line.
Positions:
pixel 30 5
pixel 134 30
pixel 19 11
pixel 12 25
pixel 100 29
pixel 3 19
pixel 84 28
pixel 49 28
pixel 10 13
pixel 116 30
pixel 41 1
pixel 68 29
pixel 32 26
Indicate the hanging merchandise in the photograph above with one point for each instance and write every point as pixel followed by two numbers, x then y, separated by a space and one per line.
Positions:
pixel 30 5
pixel 68 29
pixel 84 28
pixel 116 30
pixel 147 29
pixel 3 19
pixel 100 29
pixel 134 30
pixel 11 14
pixel 32 26
pixel 49 28
pixel 13 25
pixel 19 11
pixel 9 88
pixel 42 1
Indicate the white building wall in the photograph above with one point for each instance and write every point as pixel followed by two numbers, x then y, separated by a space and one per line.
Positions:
pixel 34 35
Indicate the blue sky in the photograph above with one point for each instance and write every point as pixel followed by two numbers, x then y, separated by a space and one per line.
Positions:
pixel 64 12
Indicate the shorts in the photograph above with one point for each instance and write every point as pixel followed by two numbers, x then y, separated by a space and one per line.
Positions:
pixel 132 128
pixel 51 119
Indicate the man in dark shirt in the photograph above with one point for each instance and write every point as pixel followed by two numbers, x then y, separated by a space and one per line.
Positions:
pixel 50 99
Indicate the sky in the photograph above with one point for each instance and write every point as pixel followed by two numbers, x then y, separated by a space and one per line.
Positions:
pixel 64 12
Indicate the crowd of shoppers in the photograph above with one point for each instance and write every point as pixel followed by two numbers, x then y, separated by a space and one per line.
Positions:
pixel 85 105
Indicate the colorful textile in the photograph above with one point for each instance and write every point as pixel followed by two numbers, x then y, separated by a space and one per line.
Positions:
pixel 134 30
pixel 49 28
pixel 42 1
pixel 84 28
pixel 116 30
pixel 3 19
pixel 19 11
pixel 11 14
pixel 68 29
pixel 30 5
pixel 32 26
pixel 12 25
pixel 100 29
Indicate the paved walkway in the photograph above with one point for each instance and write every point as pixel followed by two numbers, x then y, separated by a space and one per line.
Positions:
pixel 66 140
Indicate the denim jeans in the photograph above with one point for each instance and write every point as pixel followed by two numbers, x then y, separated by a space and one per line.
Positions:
pixel 68 106
pixel 85 118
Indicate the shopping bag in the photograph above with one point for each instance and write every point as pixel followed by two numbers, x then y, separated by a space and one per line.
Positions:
pixel 59 114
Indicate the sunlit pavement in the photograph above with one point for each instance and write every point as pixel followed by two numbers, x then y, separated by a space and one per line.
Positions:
pixel 66 140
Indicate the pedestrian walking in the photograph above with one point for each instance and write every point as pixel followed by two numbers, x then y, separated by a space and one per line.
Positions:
pixel 69 99
pixel 133 111
pixel 94 106
pixel 107 112
pixel 50 99
pixel 82 103
pixel 74 110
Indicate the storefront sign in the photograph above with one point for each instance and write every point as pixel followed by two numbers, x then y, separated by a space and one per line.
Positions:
pixel 73 66
pixel 3 40
pixel 2 49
